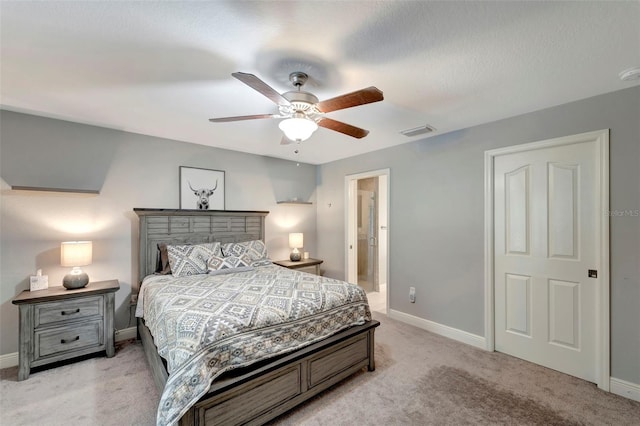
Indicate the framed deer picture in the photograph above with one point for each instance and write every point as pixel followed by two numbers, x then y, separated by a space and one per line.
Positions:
pixel 201 189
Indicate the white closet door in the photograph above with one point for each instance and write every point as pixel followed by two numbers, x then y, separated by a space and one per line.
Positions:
pixel 545 217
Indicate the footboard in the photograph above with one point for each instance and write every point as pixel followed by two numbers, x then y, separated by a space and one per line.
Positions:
pixel 262 392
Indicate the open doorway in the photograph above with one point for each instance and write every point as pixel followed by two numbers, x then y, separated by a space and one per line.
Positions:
pixel 367 235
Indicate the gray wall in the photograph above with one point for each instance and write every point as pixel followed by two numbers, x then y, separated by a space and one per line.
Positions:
pixel 130 170
pixel 436 224
pixel 436 195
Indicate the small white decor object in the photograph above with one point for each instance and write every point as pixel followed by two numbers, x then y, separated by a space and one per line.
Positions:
pixel 39 281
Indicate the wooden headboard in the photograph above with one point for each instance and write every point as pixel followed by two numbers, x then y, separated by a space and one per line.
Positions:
pixel 192 227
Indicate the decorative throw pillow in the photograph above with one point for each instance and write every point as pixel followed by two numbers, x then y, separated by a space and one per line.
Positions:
pixel 255 249
pixel 225 265
pixel 191 259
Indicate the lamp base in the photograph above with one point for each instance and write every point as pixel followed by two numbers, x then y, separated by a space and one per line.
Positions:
pixel 295 256
pixel 75 281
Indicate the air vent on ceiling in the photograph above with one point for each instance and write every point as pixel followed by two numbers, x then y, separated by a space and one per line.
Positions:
pixel 418 130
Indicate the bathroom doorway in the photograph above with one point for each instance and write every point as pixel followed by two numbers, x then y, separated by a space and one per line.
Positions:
pixel 367 244
pixel 367 235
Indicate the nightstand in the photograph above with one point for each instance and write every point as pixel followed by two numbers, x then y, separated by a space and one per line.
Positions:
pixel 57 324
pixel 303 263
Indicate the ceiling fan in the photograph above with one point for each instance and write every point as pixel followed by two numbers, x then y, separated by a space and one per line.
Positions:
pixel 302 112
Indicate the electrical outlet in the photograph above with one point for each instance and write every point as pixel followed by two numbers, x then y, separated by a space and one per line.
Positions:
pixel 134 299
pixel 412 294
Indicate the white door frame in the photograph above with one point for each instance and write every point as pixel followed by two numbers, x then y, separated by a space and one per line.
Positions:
pixel 351 230
pixel 601 138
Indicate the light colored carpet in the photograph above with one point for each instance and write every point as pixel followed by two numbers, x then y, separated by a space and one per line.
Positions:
pixel 420 379
pixel 425 379
pixel 95 391
pixel 378 299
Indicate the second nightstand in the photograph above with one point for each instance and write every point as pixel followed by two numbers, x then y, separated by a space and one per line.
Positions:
pixel 57 324
pixel 303 263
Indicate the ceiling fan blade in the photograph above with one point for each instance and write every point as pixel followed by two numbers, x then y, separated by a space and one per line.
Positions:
pixel 262 87
pixel 341 127
pixel 360 97
pixel 242 117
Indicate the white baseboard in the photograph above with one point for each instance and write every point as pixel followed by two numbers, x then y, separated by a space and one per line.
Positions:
pixel 11 360
pixel 624 388
pixel 126 334
pixel 443 330
pixel 8 360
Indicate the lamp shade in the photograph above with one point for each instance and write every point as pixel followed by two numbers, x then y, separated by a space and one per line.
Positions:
pixel 296 240
pixel 298 128
pixel 76 253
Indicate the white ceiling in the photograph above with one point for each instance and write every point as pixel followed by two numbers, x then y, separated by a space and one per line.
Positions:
pixel 164 68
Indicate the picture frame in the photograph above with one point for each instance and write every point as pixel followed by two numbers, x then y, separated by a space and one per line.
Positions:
pixel 201 189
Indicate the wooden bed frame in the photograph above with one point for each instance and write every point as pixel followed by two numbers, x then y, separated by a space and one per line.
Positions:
pixel 265 390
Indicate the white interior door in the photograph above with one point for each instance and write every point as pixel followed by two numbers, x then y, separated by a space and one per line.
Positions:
pixel 546 241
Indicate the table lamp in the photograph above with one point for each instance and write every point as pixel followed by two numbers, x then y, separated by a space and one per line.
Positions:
pixel 295 242
pixel 75 254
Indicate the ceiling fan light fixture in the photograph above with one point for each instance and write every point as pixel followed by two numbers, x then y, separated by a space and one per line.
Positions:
pixel 298 128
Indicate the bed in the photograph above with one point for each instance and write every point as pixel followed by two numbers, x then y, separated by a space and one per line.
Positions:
pixel 265 385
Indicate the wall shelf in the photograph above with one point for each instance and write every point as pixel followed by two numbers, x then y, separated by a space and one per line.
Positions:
pixel 294 202
pixel 38 188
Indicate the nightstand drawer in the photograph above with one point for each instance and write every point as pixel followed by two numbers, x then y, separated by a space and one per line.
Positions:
pixel 62 339
pixel 67 310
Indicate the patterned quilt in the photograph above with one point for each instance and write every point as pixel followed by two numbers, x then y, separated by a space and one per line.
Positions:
pixel 205 325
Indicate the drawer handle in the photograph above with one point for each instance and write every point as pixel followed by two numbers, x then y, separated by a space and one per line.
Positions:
pixel 70 312
pixel 64 341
